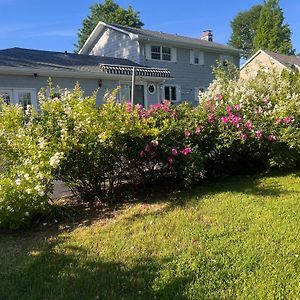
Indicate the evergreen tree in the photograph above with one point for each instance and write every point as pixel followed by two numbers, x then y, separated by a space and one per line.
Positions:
pixel 271 34
pixel 108 12
pixel 243 30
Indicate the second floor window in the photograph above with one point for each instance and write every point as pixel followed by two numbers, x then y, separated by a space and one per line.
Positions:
pixel 197 57
pixel 161 53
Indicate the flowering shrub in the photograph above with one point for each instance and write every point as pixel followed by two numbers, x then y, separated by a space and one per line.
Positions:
pixel 95 150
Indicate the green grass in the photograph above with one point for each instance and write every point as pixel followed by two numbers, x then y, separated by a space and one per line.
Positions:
pixel 237 239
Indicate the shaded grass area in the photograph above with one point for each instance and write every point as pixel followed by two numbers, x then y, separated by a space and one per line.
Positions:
pixel 236 239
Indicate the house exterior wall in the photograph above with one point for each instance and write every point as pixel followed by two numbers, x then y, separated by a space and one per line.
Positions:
pixel 188 77
pixel 261 61
pixel 115 44
pixel 89 86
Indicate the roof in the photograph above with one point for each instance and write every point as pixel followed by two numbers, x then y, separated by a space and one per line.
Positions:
pixel 40 60
pixel 145 34
pixel 288 61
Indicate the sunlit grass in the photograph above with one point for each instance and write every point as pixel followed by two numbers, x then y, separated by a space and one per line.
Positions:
pixel 237 239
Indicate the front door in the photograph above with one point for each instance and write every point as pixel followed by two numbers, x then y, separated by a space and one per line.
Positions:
pixel 139 96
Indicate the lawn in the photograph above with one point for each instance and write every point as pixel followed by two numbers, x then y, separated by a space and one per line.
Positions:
pixel 235 239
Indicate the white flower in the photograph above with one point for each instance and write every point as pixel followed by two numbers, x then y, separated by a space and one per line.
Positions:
pixel 26 214
pixel 55 159
pixel 18 181
pixel 26 176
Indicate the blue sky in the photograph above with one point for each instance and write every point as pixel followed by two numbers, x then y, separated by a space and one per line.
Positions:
pixel 52 25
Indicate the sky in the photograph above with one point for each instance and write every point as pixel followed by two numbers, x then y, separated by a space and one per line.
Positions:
pixel 53 25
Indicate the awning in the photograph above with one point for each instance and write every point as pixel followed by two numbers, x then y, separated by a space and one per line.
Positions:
pixel 139 71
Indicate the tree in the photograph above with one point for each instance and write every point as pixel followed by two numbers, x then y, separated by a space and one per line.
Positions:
pixel 108 12
pixel 243 30
pixel 271 34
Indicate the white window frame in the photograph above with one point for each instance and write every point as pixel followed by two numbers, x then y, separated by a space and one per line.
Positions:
pixel 197 89
pixel 192 57
pixel 14 95
pixel 173 53
pixel 178 92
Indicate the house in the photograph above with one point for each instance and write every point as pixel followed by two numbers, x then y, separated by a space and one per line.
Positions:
pixel 23 72
pixel 267 59
pixel 190 60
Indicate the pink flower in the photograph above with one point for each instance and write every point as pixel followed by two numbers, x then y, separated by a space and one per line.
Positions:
pixel 243 136
pixel 235 119
pixel 129 107
pixel 153 155
pixel 277 121
pixel 187 151
pixel 258 134
pixel 271 138
pixel 238 107
pixel 228 109
pixel 139 106
pixel 210 118
pixel 148 148
pixel 187 133
pixel 287 120
pixel 198 130
pixel 220 97
pixel 174 114
pixel 170 161
pixel 142 153
pixel 248 124
pixel 224 119
pixel 174 151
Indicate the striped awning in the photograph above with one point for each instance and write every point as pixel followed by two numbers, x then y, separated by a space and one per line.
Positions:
pixel 139 71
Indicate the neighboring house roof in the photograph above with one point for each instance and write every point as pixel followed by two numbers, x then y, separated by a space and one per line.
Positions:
pixel 149 35
pixel 287 61
pixel 40 60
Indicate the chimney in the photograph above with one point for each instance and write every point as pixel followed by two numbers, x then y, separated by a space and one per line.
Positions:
pixel 207 35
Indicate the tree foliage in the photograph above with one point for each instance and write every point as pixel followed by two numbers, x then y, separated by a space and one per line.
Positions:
pixel 243 30
pixel 108 12
pixel 271 33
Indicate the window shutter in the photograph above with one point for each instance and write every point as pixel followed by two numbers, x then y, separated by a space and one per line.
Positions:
pixel 173 54
pixel 148 51
pixel 201 58
pixel 192 57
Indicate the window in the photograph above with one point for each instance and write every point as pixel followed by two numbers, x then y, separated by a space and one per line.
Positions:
pixel 161 53
pixel 171 93
pixel 151 89
pixel 197 57
pixel 6 96
pixel 21 97
pixel 125 93
pixel 225 60
pixel 155 52
pixel 166 53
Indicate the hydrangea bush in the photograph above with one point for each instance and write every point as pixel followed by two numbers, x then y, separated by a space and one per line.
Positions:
pixel 95 150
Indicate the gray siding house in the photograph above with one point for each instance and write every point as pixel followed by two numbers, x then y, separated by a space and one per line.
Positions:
pixel 23 72
pixel 189 60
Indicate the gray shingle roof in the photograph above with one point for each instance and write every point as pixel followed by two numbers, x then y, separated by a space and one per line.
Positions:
pixel 286 60
pixel 57 61
pixel 174 38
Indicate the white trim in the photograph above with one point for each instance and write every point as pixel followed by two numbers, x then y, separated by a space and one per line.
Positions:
pixel 173 53
pixel 256 54
pixel 178 92
pixel 98 30
pixel 70 74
